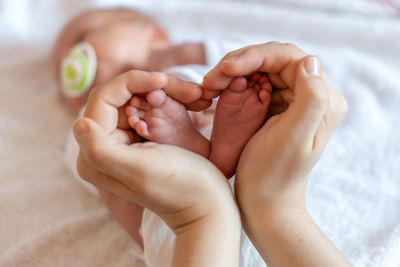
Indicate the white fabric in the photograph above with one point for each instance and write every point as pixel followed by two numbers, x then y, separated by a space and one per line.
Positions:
pixel 159 243
pixel 354 192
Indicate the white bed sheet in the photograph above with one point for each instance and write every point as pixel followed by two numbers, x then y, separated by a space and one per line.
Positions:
pixel 47 219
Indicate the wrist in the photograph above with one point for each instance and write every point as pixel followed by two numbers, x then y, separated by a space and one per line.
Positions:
pixel 272 212
pixel 214 201
pixel 212 240
pixel 291 238
pixel 271 196
pixel 215 214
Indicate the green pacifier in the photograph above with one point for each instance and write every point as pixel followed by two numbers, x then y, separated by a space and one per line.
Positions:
pixel 78 69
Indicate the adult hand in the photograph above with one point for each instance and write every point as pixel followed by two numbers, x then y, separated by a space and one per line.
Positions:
pixel 273 170
pixel 290 143
pixel 184 189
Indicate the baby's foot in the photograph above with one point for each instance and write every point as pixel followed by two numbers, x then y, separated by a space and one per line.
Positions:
pixel 161 119
pixel 240 112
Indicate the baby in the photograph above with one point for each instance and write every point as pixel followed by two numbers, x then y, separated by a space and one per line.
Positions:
pixel 120 40
pixel 240 112
pixel 123 39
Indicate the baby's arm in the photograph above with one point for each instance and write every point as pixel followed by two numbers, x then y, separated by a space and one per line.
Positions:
pixel 177 55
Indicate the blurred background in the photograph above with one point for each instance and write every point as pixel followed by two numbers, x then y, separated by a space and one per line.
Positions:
pixel 48 219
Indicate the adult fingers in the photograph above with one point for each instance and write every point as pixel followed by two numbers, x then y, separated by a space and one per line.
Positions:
pixel 105 100
pixel 186 92
pixel 127 171
pixel 100 149
pixel 217 79
pixel 131 165
pixel 310 102
pixel 336 110
pixel 94 144
pixel 183 91
pixel 272 58
pixel 102 180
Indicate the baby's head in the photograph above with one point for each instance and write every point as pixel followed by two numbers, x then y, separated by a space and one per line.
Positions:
pixel 121 39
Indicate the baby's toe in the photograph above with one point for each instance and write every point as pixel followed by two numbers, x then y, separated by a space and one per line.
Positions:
pixel 140 103
pixel 263 79
pixel 264 96
pixel 135 112
pixel 156 98
pixel 267 87
pixel 132 120
pixel 132 114
pixel 238 84
pixel 131 111
pixel 141 129
pixel 256 76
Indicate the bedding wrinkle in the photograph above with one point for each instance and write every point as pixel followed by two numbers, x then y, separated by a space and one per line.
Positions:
pixel 48 219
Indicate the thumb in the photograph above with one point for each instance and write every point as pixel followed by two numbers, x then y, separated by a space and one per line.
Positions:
pixel 99 149
pixel 95 163
pixel 85 130
pixel 310 100
pixel 94 142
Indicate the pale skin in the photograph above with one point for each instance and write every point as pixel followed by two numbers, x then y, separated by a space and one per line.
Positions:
pixel 270 197
pixel 124 39
pixel 196 224
pixel 274 167
pixel 240 112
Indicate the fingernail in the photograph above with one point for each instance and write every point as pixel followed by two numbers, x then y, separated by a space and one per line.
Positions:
pixel 160 75
pixel 312 66
pixel 157 73
pixel 80 128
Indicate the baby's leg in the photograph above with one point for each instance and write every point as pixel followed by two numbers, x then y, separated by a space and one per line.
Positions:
pixel 240 112
pixel 127 213
pixel 161 119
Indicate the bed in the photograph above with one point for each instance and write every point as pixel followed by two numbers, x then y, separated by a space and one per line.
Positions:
pixel 48 219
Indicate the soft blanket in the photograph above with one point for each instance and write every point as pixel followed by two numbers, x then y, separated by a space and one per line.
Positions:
pixel 48 219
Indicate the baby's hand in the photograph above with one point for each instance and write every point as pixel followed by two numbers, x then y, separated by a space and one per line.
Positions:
pixel 184 54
